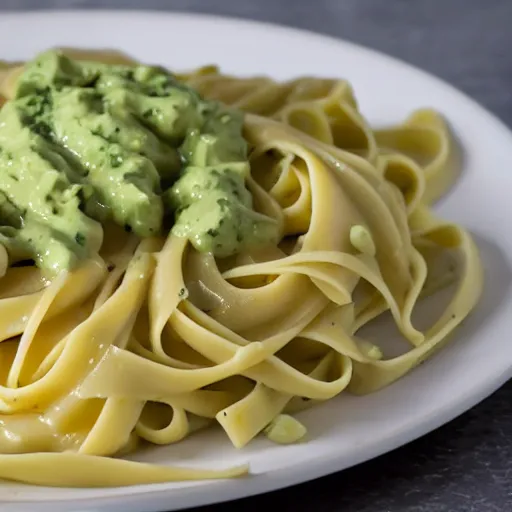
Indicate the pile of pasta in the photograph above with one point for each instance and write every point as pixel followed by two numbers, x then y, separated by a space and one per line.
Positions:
pixel 151 341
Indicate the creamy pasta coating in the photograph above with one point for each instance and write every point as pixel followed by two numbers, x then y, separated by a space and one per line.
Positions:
pixel 150 339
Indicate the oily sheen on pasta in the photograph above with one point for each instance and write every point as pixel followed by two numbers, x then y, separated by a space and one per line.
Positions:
pixel 152 340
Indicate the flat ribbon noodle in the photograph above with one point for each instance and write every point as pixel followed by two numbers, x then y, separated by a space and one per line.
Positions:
pixel 150 340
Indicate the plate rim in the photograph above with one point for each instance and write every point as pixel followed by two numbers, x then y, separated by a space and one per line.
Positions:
pixel 226 490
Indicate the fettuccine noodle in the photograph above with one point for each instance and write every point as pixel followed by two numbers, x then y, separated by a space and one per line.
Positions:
pixel 152 340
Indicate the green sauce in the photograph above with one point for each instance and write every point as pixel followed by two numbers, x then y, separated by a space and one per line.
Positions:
pixel 83 142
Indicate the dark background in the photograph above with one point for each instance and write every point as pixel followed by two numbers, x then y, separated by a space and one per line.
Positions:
pixel 465 466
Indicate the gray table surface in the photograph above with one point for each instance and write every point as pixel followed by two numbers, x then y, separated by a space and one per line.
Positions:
pixel 465 466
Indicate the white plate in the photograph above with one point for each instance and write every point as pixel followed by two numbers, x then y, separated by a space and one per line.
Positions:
pixel 347 430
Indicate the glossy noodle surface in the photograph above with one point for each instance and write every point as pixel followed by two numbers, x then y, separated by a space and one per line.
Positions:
pixel 150 340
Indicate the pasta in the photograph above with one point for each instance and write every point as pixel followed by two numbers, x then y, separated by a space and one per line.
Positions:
pixel 151 340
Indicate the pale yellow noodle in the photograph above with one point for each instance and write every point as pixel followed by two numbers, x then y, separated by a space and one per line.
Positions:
pixel 151 340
